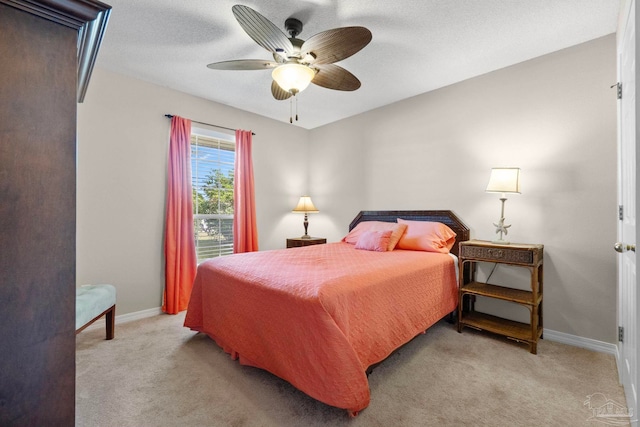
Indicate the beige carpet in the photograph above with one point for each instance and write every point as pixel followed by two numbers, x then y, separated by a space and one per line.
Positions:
pixel 158 373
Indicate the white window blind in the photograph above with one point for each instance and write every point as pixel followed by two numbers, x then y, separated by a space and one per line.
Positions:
pixel 212 168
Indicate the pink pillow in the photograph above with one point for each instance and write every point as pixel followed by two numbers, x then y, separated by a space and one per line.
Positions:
pixel 374 241
pixel 427 236
pixel 397 230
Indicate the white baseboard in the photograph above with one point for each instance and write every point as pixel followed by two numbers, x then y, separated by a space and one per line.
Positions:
pixel 576 341
pixel 129 317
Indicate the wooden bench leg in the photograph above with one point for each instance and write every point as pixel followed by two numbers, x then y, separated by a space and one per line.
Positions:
pixel 110 321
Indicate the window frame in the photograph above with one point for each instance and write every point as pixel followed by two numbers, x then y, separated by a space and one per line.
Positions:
pixel 201 167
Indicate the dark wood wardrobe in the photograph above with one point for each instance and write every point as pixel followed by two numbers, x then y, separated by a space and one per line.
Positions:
pixel 47 51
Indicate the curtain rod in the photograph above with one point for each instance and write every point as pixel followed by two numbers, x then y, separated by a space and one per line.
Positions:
pixel 170 116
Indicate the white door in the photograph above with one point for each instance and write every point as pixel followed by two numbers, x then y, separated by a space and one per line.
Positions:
pixel 627 285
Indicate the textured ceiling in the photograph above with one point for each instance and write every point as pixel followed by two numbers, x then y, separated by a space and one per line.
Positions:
pixel 417 46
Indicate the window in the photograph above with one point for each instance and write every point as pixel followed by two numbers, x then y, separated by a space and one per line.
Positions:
pixel 212 164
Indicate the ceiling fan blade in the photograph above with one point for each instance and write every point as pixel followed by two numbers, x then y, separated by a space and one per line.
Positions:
pixel 261 30
pixel 335 77
pixel 335 45
pixel 279 93
pixel 243 64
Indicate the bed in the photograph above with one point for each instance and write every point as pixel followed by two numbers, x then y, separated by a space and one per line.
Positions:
pixel 320 316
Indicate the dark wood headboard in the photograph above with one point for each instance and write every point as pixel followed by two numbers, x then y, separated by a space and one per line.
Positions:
pixel 445 217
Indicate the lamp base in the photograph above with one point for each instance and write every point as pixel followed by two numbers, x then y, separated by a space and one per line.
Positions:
pixel 306 227
pixel 500 242
pixel 501 228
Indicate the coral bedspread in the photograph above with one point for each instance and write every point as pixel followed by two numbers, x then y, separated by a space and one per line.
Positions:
pixel 319 316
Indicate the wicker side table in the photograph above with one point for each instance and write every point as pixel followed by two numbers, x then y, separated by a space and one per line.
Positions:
pixel 529 256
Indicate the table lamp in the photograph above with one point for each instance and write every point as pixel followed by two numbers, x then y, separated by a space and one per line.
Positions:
pixel 305 206
pixel 503 180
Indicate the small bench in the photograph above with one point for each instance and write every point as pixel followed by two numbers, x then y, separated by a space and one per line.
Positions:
pixel 93 302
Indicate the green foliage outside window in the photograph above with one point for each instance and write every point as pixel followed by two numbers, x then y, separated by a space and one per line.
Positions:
pixel 216 195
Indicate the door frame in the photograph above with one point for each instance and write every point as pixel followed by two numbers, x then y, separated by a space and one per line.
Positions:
pixel 628 9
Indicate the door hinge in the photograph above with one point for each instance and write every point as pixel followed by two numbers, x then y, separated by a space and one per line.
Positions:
pixel 620 333
pixel 618 87
pixel 620 212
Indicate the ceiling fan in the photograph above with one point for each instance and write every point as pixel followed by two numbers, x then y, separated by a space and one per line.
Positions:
pixel 296 62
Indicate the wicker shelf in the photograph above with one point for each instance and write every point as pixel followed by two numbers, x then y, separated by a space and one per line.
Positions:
pixel 509 328
pixel 526 256
pixel 501 292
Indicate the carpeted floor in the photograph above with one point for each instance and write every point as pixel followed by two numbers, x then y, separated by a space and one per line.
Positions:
pixel 158 373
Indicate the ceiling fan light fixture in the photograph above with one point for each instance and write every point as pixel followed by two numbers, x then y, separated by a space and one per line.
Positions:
pixel 293 77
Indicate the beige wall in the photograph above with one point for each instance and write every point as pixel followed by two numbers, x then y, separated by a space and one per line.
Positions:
pixel 122 156
pixel 553 116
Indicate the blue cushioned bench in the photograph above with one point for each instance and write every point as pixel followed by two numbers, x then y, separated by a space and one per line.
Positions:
pixel 93 302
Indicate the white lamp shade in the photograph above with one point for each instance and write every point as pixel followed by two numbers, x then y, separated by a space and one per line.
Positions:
pixel 504 180
pixel 293 78
pixel 305 205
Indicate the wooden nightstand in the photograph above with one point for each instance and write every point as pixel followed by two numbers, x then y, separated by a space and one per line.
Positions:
pixel 521 255
pixel 297 242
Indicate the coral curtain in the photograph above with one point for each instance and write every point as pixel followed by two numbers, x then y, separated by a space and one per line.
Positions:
pixel 179 244
pixel 245 232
